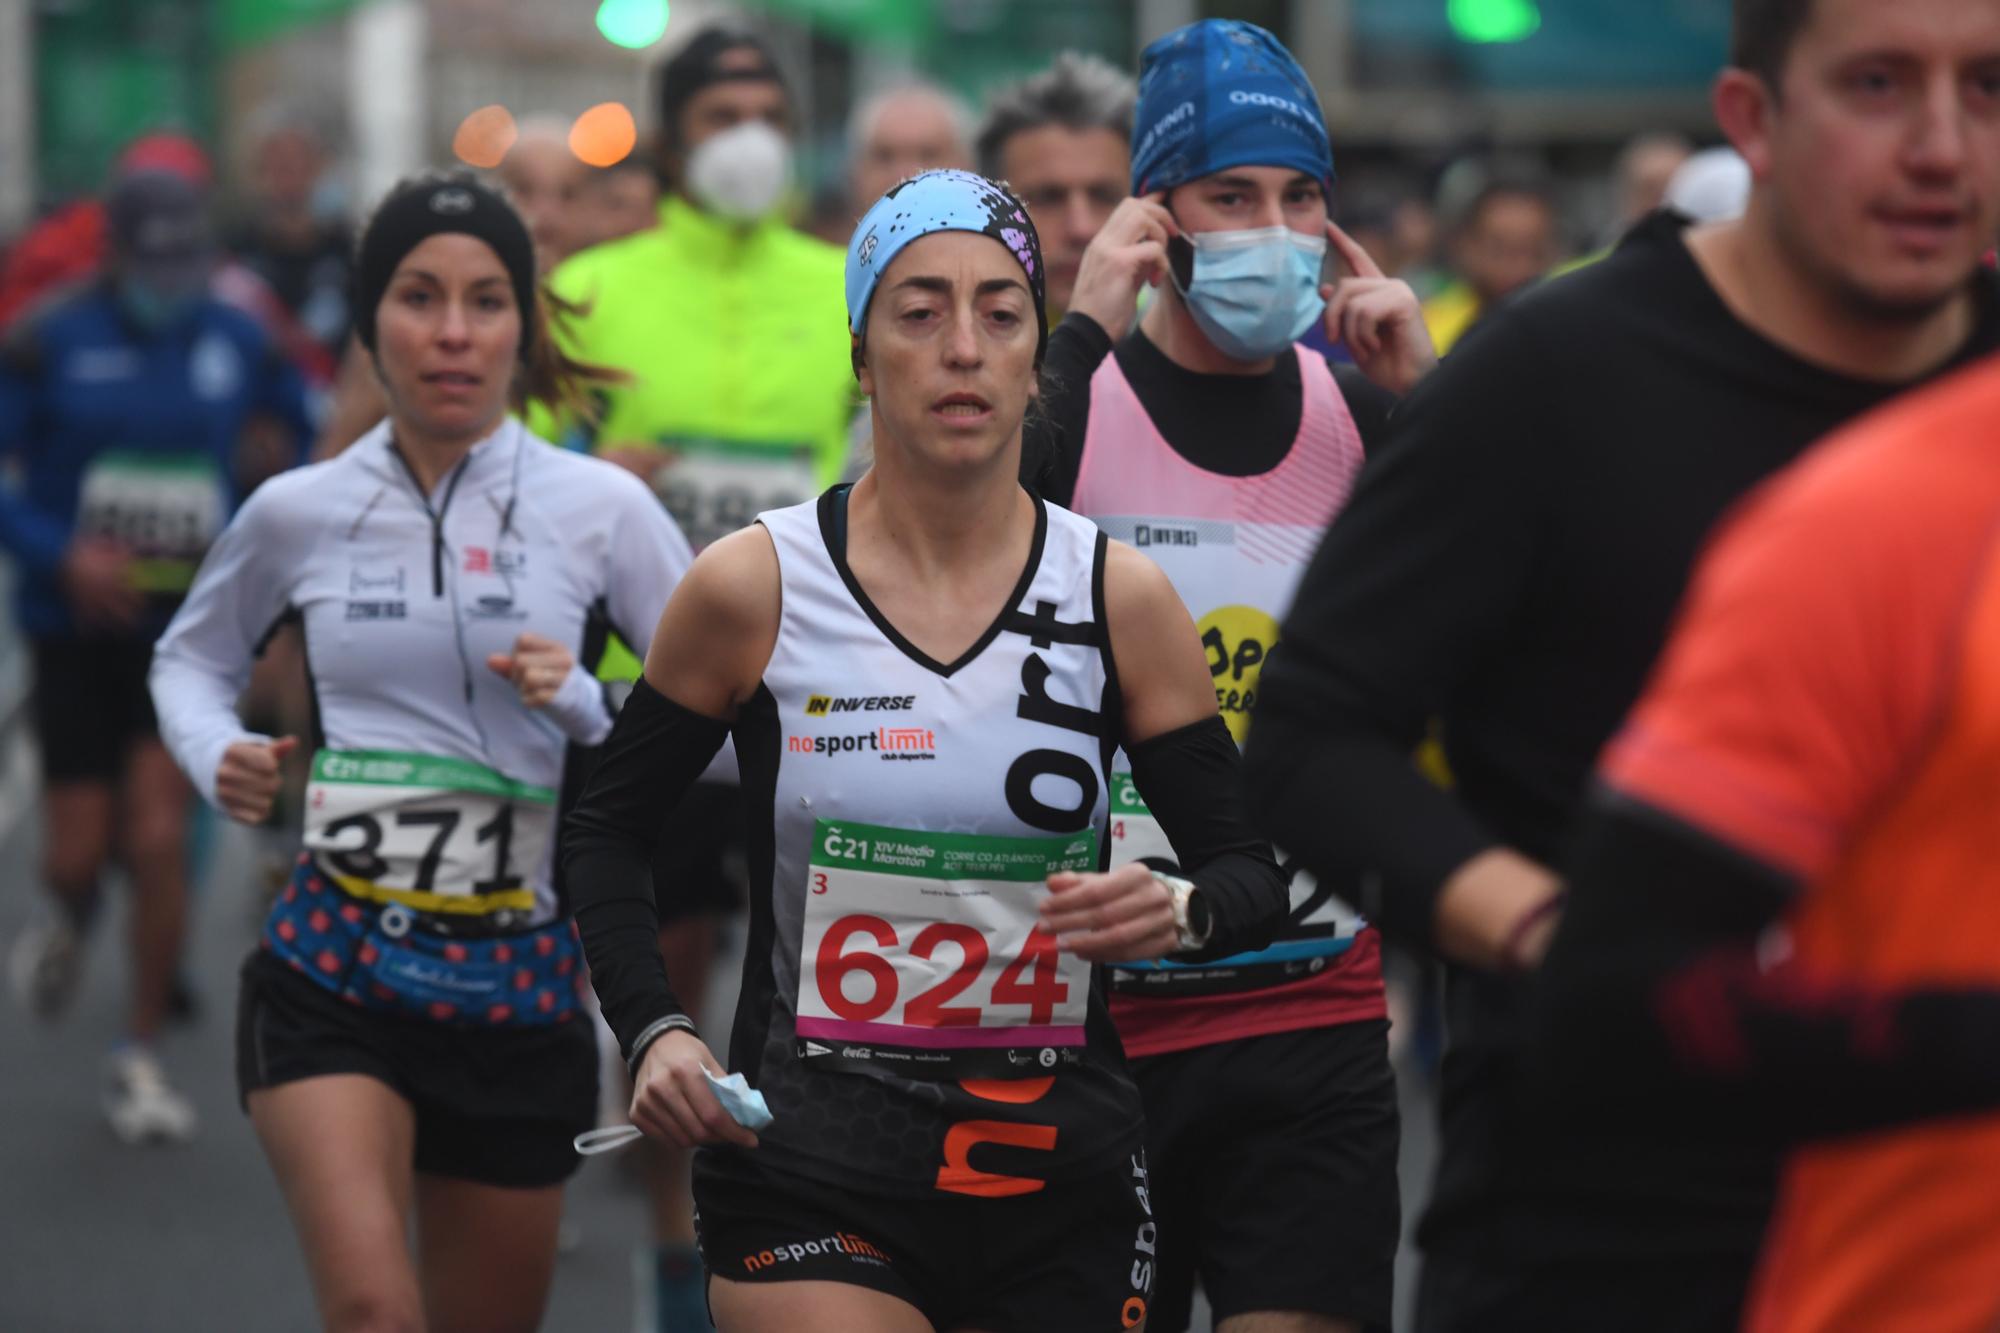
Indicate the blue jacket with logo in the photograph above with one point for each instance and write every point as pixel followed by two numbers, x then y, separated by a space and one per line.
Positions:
pixel 82 389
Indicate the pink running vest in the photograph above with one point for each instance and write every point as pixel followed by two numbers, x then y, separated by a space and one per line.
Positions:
pixel 1235 549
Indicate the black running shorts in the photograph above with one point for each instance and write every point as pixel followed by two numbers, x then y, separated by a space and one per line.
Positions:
pixel 91 703
pixel 499 1106
pixel 1076 1255
pixel 1274 1174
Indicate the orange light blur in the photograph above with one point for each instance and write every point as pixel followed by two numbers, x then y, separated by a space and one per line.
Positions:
pixel 484 137
pixel 603 135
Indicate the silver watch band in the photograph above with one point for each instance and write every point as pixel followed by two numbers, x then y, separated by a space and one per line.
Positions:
pixel 1181 890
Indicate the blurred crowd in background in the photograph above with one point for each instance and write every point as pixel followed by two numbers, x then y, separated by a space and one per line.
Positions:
pixel 1479 146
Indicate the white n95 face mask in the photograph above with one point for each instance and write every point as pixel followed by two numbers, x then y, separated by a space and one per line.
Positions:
pixel 741 173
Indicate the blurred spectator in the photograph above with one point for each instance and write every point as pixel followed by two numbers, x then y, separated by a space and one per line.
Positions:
pixel 288 239
pixel 68 245
pixel 125 404
pixel 896 134
pixel 1502 238
pixel 1711 186
pixel 619 200
pixel 546 181
pixel 1639 179
pixel 1063 140
pixel 1413 227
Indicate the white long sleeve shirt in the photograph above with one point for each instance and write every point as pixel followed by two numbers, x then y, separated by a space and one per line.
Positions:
pixel 402 596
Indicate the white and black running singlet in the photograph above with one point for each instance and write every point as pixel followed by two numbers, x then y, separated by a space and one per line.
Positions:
pixel 910 1024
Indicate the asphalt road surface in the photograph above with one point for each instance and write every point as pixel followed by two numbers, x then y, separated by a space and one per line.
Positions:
pixel 99 1238
pixel 96 1237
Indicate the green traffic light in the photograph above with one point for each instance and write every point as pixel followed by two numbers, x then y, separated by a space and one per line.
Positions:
pixel 1495 20
pixel 632 23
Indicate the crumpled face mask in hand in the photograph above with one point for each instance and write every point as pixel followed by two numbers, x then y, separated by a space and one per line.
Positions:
pixel 1254 292
pixel 741 173
pixel 746 1106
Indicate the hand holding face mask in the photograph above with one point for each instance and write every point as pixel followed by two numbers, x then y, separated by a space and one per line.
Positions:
pixel 1379 318
pixel 1128 254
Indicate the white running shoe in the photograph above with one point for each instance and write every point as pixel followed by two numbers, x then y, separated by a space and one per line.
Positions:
pixel 45 964
pixel 139 1102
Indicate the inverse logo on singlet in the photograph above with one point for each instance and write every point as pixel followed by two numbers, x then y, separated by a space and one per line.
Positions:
pixel 820 705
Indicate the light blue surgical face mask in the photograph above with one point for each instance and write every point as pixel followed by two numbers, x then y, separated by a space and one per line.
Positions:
pixel 1254 292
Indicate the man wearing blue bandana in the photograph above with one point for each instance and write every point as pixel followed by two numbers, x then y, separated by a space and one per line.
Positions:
pixel 1213 441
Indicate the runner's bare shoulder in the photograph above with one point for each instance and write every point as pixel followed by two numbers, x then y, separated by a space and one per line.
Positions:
pixel 719 628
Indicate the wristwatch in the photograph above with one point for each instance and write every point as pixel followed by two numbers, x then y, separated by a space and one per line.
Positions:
pixel 1192 922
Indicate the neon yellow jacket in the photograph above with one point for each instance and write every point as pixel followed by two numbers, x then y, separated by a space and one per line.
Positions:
pixel 735 339
pixel 1449 314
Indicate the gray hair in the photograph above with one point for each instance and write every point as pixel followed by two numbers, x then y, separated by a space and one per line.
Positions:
pixel 281 117
pixel 861 122
pixel 1077 92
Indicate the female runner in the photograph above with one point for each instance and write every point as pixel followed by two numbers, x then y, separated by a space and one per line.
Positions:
pixel 926 674
pixel 408 1036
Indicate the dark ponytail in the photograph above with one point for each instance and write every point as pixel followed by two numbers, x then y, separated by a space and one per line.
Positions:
pixel 552 377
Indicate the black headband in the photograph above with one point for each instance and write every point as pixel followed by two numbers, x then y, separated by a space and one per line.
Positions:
pixel 416 210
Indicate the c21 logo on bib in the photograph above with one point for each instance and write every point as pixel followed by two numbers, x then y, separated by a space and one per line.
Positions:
pixel 1237 639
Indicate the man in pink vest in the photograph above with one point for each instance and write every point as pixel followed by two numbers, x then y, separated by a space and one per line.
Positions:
pixel 1210 439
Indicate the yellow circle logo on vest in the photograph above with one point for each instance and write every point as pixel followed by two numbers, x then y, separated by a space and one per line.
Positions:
pixel 1237 638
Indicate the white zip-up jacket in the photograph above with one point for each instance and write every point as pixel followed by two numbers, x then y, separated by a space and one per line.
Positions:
pixel 402 596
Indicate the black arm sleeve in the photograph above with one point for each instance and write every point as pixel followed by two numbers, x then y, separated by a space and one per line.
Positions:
pixel 1418 580
pixel 656 751
pixel 1667 1000
pixel 1190 780
pixel 1052 439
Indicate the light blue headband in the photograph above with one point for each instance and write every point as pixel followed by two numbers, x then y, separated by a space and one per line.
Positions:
pixel 934 201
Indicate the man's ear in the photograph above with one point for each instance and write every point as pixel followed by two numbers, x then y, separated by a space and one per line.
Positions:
pixel 1745 108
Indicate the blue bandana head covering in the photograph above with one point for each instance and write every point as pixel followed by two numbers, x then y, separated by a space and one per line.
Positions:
pixel 1219 94
pixel 934 201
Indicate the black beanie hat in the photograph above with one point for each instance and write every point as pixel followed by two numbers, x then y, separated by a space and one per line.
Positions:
pixel 697 66
pixel 425 206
